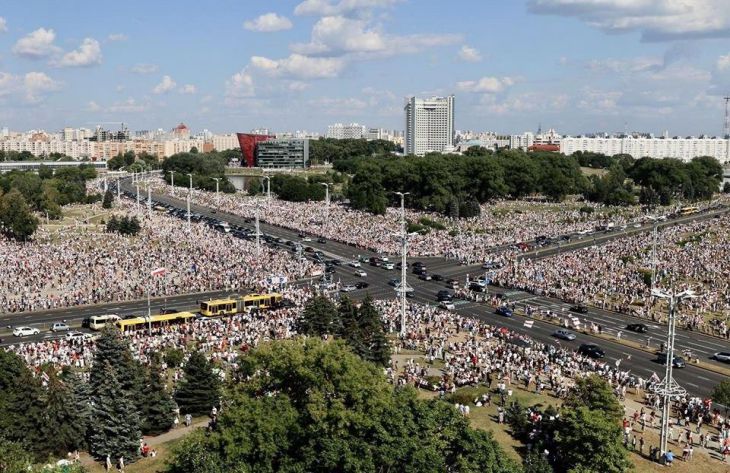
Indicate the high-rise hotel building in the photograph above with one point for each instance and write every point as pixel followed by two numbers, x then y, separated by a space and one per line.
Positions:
pixel 429 125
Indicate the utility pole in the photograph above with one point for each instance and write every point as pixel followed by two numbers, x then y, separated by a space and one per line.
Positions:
pixel 119 190
pixel 191 183
pixel 402 288
pixel 172 181
pixel 138 202
pixel 727 117
pixel 258 232
pixel 188 201
pixel 653 262
pixel 268 187
pixel 326 192
pixel 668 388
pixel 217 180
pixel 149 200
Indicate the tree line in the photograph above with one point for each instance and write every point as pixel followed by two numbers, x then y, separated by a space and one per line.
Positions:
pixel 23 193
pixel 332 150
pixel 455 185
pixel 203 166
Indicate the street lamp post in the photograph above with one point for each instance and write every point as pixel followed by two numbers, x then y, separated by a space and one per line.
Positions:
pixel 402 288
pixel 119 190
pixel 258 231
pixel 217 181
pixel 668 388
pixel 138 202
pixel 191 183
pixel 149 200
pixel 326 192
pixel 268 187
pixel 172 181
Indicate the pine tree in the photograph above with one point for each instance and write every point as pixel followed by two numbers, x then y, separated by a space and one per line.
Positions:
pixel 21 405
pixel 375 346
pixel 157 407
pixel 113 349
pixel 199 389
pixel 81 392
pixel 319 317
pixel 63 427
pixel 108 200
pixel 115 425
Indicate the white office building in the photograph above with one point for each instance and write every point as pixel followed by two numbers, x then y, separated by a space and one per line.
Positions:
pixel 650 146
pixel 429 125
pixel 339 131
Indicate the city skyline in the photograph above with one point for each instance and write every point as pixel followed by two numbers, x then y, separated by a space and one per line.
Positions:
pixel 577 66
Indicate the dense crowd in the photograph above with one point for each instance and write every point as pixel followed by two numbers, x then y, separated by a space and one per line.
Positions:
pixel 502 223
pixel 617 275
pixel 85 265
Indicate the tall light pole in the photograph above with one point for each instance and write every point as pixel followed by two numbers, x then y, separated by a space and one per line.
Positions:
pixel 191 183
pixel 172 181
pixel 668 388
pixel 217 180
pixel 188 202
pixel 258 231
pixel 268 186
pixel 402 288
pixel 138 202
pixel 326 192
pixel 119 190
pixel 149 200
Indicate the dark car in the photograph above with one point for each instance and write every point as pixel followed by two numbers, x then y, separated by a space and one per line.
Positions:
pixel 86 322
pixel 375 261
pixel 419 270
pixel 437 277
pixel 330 269
pixel 410 295
pixel 504 311
pixel 580 308
pixel 452 283
pixel 444 296
pixel 476 287
pixel 321 240
pixel 638 328
pixel 424 276
pixel 678 361
pixel 361 285
pixel 399 265
pixel 335 262
pixel 418 264
pixel 308 249
pixel 591 350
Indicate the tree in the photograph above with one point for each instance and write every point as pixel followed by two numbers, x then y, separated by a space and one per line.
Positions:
pixel 199 390
pixel 308 405
pixel 318 318
pixel 157 410
pixel 17 220
pixel 726 188
pixel 596 394
pixel 14 457
pixel 115 425
pixel 590 438
pixel 108 200
pixel 116 163
pixel 721 394
pixel 371 343
pixel 111 348
pixel 64 426
pixel 20 404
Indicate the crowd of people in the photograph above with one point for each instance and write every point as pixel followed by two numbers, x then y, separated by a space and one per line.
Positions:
pixel 617 275
pixel 86 265
pixel 472 240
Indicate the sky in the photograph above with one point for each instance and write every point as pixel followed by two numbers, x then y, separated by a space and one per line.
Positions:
pixel 233 65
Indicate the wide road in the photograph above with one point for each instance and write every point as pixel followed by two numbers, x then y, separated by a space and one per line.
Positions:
pixel 697 380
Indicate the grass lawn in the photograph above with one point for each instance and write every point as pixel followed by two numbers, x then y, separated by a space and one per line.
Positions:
pixel 143 465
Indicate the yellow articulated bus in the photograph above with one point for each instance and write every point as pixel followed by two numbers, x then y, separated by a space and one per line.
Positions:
pixel 688 210
pixel 155 321
pixel 241 304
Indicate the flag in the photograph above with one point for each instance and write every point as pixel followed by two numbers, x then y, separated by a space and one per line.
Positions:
pixel 158 272
pixel 654 378
pixel 529 323
pixel 45 377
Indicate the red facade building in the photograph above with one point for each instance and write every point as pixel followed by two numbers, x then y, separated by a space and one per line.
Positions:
pixel 248 142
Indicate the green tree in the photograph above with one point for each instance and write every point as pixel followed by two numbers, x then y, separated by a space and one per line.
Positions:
pixel 14 457
pixel 721 394
pixel 318 318
pixel 596 394
pixel 20 404
pixel 367 193
pixel 63 427
pixel 108 199
pixel 115 426
pixel 200 388
pixel 371 343
pixel 157 410
pixel 113 349
pixel 116 163
pixel 16 217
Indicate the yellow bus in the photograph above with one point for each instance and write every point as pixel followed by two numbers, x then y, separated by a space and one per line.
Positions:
pixel 688 210
pixel 155 321
pixel 240 305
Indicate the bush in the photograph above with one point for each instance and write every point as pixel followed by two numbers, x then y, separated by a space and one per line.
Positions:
pixel 416 228
pixel 427 222
pixel 124 225
pixel 174 357
pixel 467 395
pixel 586 209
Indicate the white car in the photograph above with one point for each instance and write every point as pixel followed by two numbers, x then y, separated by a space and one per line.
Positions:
pixel 361 273
pixel 23 331
pixel 722 356
pixel 77 336
pixel 348 288
pixel 448 305
pixel 389 266
pixel 60 327
pixel 355 264
pixel 306 238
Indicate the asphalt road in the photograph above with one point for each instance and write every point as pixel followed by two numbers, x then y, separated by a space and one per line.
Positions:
pixel 697 380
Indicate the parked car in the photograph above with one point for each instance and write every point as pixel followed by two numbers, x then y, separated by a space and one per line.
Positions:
pixel 25 331
pixel 591 350
pixel 580 308
pixel 321 240
pixel 722 356
pixel 361 273
pixel 504 311
pixel 60 327
pixel 424 276
pixel 394 282
pixel 452 283
pixel 444 295
pixel 361 285
pixel 638 328
pixel 477 287
pixel 77 336
pixel 355 264
pixel 564 334
pixel 447 305
pixel 348 288
pixel 677 362
pixel 388 266
pixel 437 277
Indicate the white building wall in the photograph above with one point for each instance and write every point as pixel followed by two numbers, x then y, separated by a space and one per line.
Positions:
pixel 681 148
pixel 429 125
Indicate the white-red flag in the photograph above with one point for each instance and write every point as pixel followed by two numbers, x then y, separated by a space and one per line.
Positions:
pixel 158 272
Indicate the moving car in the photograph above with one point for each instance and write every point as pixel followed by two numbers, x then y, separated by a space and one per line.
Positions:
pixel 306 238
pixel 437 277
pixel 355 264
pixel 424 276
pixel 348 288
pixel 444 295
pixel 564 334
pixel 580 308
pixel 591 350
pixel 60 327
pixel 452 283
pixel 24 331
pixel 361 285
pixel 722 356
pixel 361 273
pixel 504 311
pixel 638 328
pixel 321 240
pixel 388 266
pixel 677 362
pixel 447 305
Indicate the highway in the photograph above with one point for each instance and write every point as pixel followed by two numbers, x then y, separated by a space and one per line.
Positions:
pixel 697 380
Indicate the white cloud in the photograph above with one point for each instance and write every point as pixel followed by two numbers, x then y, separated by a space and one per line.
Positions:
pixel 469 54
pixel 117 37
pixel 723 62
pixel 338 35
pixel 92 106
pixel 8 83
pixel 656 20
pixel 128 106
pixel 37 44
pixel 165 86
pixel 486 85
pixel 342 7
pixel 299 66
pixel 633 65
pixel 188 89
pixel 297 86
pixel 339 106
pixel 3 25
pixel 240 85
pixel 142 68
pixel 88 54
pixel 268 23
pixel 37 84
